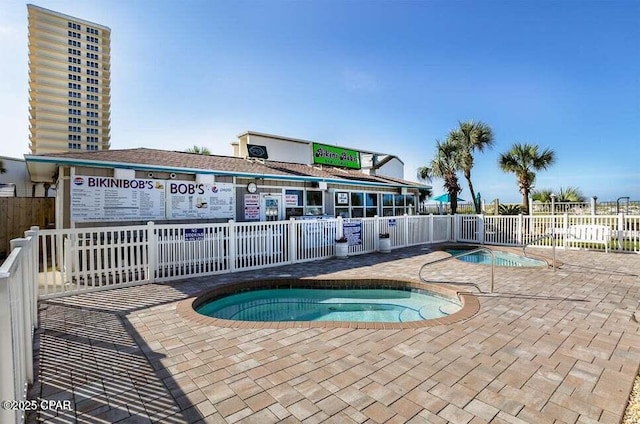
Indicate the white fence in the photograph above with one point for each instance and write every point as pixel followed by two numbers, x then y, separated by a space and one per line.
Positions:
pixel 77 260
pixel 18 320
pixel 52 263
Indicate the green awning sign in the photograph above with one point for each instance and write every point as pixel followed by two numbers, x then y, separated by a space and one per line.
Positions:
pixel 336 156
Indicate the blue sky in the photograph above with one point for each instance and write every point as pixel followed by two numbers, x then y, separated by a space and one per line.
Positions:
pixel 374 75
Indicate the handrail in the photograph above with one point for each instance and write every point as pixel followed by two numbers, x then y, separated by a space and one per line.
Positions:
pixel 553 246
pixel 479 249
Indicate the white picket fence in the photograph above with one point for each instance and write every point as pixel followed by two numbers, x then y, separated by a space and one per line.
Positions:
pixel 78 260
pixel 53 263
pixel 18 321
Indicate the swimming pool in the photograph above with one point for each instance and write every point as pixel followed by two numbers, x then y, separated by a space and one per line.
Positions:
pixel 346 305
pixel 502 258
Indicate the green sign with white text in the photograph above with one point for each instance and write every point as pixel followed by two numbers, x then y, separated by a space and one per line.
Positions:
pixel 336 156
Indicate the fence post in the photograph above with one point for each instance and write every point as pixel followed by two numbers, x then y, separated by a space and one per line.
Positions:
pixel 339 229
pixel 480 220
pixel 33 286
pixel 530 206
pixel 152 242
pixel 621 231
pixel 232 245
pixel 593 205
pixel 376 232
pixel 7 368
pixel 293 240
pixel 406 230
pixel 520 229
pixel 565 230
pixel 430 229
pixel 26 332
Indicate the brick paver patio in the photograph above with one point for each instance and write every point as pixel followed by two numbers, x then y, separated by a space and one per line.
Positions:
pixel 546 347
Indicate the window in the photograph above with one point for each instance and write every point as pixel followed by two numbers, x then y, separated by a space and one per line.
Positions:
pixel 371 203
pixel 75 103
pixel 75 86
pixel 74 94
pixel 73 137
pixel 92 89
pixel 74 68
pixel 74 34
pixel 74 146
pixel 75 43
pixel 92 122
pixel 92 131
pixel 92 47
pixel 92 147
pixel 92 139
pixel 74 112
pixel 314 203
pixel 92 56
pixel 92 97
pixel 92 72
pixel 92 64
pixel 92 39
pixel 92 80
pixel 293 202
pixel 92 31
pixel 92 114
pixel 74 51
pixel 74 25
pixel 92 105
pixel 75 120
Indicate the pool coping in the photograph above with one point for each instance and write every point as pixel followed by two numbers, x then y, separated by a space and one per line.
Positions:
pixel 469 302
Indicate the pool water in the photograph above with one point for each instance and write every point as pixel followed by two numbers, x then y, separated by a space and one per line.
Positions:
pixel 502 258
pixel 359 305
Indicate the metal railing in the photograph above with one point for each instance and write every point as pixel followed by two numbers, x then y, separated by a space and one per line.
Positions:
pixel 479 249
pixel 553 246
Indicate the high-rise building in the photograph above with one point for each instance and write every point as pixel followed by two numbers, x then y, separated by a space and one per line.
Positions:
pixel 69 83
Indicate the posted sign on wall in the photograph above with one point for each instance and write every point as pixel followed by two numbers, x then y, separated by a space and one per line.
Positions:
pixel 336 156
pixel 190 200
pixel 108 199
pixel 95 199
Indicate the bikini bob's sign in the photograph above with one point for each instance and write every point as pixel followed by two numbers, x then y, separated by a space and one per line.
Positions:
pixel 336 156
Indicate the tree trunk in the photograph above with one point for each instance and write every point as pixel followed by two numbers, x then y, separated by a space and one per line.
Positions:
pixel 525 202
pixel 453 199
pixel 476 204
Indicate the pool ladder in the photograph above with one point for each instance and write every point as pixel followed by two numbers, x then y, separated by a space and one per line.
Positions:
pixel 479 249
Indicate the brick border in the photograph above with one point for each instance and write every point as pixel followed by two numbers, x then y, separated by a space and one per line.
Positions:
pixel 470 303
pixel 441 247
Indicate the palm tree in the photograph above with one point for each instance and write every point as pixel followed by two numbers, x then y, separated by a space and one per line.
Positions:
pixel 445 164
pixel 199 150
pixel 570 194
pixel 543 195
pixel 523 160
pixel 471 136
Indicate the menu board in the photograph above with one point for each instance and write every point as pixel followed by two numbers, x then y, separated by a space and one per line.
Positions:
pixel 108 199
pixel 191 200
pixel 97 199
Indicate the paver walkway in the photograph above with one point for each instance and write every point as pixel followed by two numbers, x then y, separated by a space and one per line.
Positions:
pixel 547 347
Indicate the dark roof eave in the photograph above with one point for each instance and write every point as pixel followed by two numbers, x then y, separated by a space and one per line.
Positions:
pixel 149 167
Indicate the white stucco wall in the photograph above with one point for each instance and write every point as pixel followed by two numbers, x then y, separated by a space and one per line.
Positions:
pixel 17 174
pixel 281 150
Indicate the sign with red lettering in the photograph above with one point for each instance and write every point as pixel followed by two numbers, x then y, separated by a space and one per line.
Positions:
pixel 95 199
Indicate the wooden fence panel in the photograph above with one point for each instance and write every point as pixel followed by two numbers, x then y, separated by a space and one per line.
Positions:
pixel 18 214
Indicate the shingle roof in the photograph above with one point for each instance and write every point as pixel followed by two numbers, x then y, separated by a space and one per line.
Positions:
pixel 174 161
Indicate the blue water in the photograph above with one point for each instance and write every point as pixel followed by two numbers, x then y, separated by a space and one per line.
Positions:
pixel 360 305
pixel 502 258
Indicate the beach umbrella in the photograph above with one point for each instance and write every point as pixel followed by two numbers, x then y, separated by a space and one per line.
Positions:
pixel 444 198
